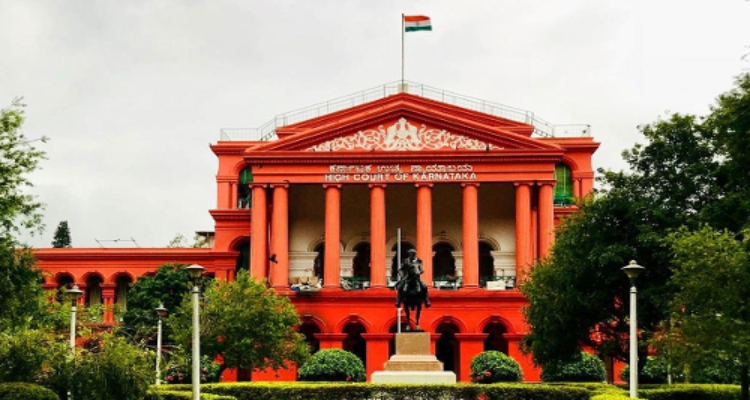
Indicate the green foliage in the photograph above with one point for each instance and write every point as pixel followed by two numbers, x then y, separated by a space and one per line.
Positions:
pixel 246 323
pixel 25 391
pixel 27 355
pixel 333 365
pixel 691 392
pixel 493 366
pixel 367 391
pixel 167 286
pixel 62 236
pixel 654 371
pixel 115 370
pixel 180 371
pixel 157 393
pixel 18 159
pixel 584 368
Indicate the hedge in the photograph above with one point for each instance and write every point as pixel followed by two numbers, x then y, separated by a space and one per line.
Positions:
pixel 364 391
pixel 25 391
pixel 160 394
pixel 584 367
pixel 692 392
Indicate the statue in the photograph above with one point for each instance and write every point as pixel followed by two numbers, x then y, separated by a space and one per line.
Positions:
pixel 411 290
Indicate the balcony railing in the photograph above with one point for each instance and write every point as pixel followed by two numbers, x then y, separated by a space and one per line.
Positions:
pixel 267 131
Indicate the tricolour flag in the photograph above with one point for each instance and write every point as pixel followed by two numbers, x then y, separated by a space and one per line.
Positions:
pixel 417 23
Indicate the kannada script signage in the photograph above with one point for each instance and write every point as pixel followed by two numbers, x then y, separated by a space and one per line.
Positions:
pixel 399 173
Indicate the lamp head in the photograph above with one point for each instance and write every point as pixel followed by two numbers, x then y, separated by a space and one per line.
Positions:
pixel 195 271
pixel 633 270
pixel 161 311
pixel 74 293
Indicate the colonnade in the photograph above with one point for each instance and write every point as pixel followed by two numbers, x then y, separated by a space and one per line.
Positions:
pixel 534 230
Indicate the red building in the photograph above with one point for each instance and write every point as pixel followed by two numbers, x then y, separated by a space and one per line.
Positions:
pixel 314 204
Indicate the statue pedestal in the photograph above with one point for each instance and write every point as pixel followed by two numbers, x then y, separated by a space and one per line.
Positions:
pixel 413 363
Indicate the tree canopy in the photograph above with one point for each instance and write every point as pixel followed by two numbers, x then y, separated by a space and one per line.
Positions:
pixel 246 323
pixel 691 171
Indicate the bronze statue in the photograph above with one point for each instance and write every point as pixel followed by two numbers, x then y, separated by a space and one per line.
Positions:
pixel 411 290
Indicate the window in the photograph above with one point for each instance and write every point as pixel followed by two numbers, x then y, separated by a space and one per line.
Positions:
pixel 244 194
pixel 563 186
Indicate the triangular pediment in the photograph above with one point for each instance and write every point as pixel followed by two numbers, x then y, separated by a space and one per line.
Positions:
pixel 405 123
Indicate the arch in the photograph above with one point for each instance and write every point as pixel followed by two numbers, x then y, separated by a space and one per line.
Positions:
pixel 119 274
pixel 242 246
pixel 490 241
pixel 122 288
pixel 496 319
pixel 308 329
pixel 91 274
pixel 353 242
pixel 307 318
pixel 496 338
pixel 361 261
pixel 446 239
pixel 571 163
pixel 443 261
pixel 354 342
pixel 353 319
pixel 486 263
pixel 320 241
pixel 93 294
pixel 450 320
pixel 447 349
pixel 238 241
pixel 62 280
pixel 391 243
pixel 64 276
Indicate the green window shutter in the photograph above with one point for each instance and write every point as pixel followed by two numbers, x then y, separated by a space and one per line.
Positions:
pixel 563 185
pixel 246 176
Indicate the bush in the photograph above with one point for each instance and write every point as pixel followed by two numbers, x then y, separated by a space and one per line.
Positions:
pixel 115 370
pixel 493 366
pixel 585 368
pixel 654 371
pixel 333 365
pixel 25 391
pixel 692 392
pixel 180 371
pixel 25 356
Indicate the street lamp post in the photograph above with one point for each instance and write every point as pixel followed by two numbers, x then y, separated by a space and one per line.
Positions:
pixel 161 312
pixel 73 294
pixel 632 270
pixel 196 271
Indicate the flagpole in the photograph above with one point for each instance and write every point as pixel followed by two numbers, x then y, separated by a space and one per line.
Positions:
pixel 402 52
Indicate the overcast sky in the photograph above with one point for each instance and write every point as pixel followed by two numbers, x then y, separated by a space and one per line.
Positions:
pixel 131 93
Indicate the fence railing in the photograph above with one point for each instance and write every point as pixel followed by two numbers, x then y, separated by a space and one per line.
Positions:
pixel 267 131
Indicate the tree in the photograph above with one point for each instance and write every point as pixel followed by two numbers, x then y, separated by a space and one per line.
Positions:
pixel 20 290
pixel 167 286
pixel 691 171
pixel 712 271
pixel 180 241
pixel 245 323
pixel 62 236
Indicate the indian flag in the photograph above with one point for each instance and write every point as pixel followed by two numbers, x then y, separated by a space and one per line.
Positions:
pixel 414 23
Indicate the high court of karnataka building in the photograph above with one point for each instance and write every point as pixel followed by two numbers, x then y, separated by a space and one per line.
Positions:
pixel 312 203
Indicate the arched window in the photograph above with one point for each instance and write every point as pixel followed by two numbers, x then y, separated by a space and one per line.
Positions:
pixel 308 330
pixel 486 264
pixel 122 287
pixel 405 247
pixel 244 194
pixel 443 263
pixel 361 262
pixel 495 339
pixel 354 342
pixel 563 185
pixel 446 348
pixel 318 263
pixel 64 282
pixel 94 291
pixel 243 259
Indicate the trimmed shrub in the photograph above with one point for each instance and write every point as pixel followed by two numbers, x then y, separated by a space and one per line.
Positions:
pixel 692 392
pixel 584 368
pixel 654 371
pixel 25 391
pixel 333 365
pixel 493 366
pixel 160 394
pixel 180 371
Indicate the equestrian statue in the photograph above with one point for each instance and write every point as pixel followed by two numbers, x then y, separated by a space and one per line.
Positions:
pixel 411 290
